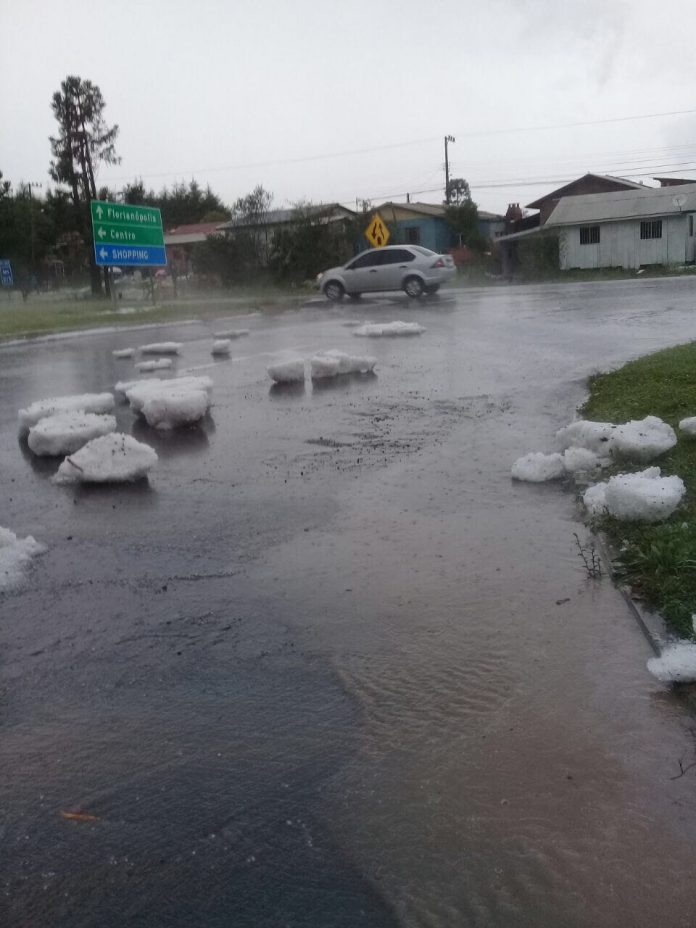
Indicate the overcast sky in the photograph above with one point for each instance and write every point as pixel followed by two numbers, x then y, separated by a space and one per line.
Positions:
pixel 331 101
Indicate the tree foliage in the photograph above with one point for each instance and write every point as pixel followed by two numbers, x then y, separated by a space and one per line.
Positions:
pixel 462 215
pixel 254 207
pixel 241 255
pixel 296 249
pixel 182 204
pixel 227 259
pixel 312 242
pixel 84 139
pixel 42 227
pixel 252 233
pixel 458 191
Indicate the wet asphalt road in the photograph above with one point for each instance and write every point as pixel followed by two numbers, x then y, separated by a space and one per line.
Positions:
pixel 330 666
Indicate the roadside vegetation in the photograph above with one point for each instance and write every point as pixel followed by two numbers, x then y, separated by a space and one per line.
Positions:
pixel 658 561
pixel 41 317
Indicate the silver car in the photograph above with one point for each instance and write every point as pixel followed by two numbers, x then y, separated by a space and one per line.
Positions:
pixel 411 268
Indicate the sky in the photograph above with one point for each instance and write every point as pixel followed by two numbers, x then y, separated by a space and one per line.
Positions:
pixel 334 101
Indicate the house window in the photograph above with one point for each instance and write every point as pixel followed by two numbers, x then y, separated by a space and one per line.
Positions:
pixel 651 228
pixel 691 226
pixel 589 235
pixel 412 235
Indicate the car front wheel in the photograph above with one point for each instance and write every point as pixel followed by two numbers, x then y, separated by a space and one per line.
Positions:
pixel 334 291
pixel 413 287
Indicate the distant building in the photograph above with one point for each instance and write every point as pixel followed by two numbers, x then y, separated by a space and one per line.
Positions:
pixel 180 242
pixel 491 225
pixel 276 218
pixel 418 224
pixel 426 224
pixel 627 228
pixel 588 183
pixel 266 226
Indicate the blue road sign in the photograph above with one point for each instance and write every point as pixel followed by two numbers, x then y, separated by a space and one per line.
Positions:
pixel 130 255
pixel 6 278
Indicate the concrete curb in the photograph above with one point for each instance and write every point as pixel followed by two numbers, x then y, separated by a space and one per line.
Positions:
pixel 651 624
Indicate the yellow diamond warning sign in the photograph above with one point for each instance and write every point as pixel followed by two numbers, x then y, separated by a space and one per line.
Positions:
pixel 377 232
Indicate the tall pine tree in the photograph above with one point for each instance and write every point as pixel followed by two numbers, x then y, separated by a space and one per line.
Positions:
pixel 83 141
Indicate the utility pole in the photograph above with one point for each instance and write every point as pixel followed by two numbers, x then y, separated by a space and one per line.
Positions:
pixel 37 186
pixel 448 138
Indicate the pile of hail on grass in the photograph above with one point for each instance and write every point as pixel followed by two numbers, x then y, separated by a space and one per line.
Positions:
pixel 644 494
pixel 585 448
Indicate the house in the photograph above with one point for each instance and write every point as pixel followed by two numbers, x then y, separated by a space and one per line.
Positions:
pixel 277 218
pixel 180 242
pixel 266 226
pixel 426 224
pixel 588 183
pixel 491 225
pixel 418 224
pixel 626 228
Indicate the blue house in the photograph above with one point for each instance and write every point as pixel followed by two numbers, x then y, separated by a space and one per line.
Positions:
pixel 418 224
pixel 425 224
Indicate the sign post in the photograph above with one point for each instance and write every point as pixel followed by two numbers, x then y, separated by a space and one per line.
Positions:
pixel 127 236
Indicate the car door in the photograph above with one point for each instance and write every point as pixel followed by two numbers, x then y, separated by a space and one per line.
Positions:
pixel 363 274
pixel 398 261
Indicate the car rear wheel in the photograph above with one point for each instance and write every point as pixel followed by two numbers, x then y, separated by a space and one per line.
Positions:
pixel 432 289
pixel 334 291
pixel 413 287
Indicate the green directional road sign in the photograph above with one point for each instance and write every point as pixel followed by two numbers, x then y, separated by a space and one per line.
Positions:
pixel 127 235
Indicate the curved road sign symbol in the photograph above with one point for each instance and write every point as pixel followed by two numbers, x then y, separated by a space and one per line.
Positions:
pixel 377 232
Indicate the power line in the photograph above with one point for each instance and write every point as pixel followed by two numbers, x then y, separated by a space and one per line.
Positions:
pixel 395 145
pixel 668 168
pixel 494 185
pixel 283 161
pixel 575 125
pixel 646 156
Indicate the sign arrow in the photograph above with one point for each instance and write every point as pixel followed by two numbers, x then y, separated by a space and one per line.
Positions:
pixel 103 253
pixel 100 232
pixel 99 211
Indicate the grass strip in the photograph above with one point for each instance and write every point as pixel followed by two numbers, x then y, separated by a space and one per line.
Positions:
pixel 658 560
pixel 45 317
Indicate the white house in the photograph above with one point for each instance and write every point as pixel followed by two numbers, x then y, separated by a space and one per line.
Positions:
pixel 627 228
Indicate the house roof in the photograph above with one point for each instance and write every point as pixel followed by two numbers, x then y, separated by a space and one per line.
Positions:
pixel 623 204
pixel 562 191
pixel 422 209
pixel 437 210
pixel 190 233
pixel 204 227
pixel 524 233
pixel 674 181
pixel 276 217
